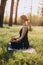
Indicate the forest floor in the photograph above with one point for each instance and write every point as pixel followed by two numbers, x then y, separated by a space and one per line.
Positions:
pixel 20 58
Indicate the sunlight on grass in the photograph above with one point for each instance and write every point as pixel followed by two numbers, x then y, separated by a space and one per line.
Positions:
pixel 19 58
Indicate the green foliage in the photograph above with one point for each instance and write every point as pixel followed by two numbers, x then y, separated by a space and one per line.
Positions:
pixel 30 28
pixel 19 58
pixel 36 20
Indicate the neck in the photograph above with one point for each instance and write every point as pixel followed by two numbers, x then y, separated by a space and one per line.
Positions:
pixel 25 24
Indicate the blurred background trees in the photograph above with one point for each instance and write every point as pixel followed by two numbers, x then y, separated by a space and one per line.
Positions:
pixel 33 19
pixel 2 9
pixel 16 11
pixel 11 13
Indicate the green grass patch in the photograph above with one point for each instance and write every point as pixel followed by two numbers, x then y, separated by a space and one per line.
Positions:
pixel 19 58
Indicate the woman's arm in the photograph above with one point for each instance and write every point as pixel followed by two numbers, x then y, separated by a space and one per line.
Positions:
pixel 14 38
pixel 24 30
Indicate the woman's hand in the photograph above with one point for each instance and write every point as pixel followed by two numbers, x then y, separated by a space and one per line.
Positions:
pixel 15 40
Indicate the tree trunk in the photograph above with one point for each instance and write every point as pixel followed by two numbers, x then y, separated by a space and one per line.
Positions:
pixel 11 13
pixel 2 9
pixel 16 12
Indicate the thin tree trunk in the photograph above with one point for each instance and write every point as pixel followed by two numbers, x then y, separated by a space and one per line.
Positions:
pixel 16 12
pixel 11 13
pixel 2 9
pixel 30 17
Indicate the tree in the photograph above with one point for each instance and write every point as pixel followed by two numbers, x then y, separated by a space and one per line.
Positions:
pixel 30 17
pixel 16 12
pixel 2 9
pixel 11 13
pixel 40 8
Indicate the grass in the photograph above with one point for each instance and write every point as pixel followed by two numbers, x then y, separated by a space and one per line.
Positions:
pixel 19 58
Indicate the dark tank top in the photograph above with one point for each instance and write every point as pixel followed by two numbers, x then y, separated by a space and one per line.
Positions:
pixel 26 35
pixel 24 40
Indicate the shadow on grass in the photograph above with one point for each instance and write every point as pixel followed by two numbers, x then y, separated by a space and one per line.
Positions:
pixel 6 55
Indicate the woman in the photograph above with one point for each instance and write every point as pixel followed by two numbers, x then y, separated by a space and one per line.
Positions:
pixel 22 41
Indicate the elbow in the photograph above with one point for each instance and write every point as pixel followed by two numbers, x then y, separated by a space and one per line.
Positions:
pixel 21 37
